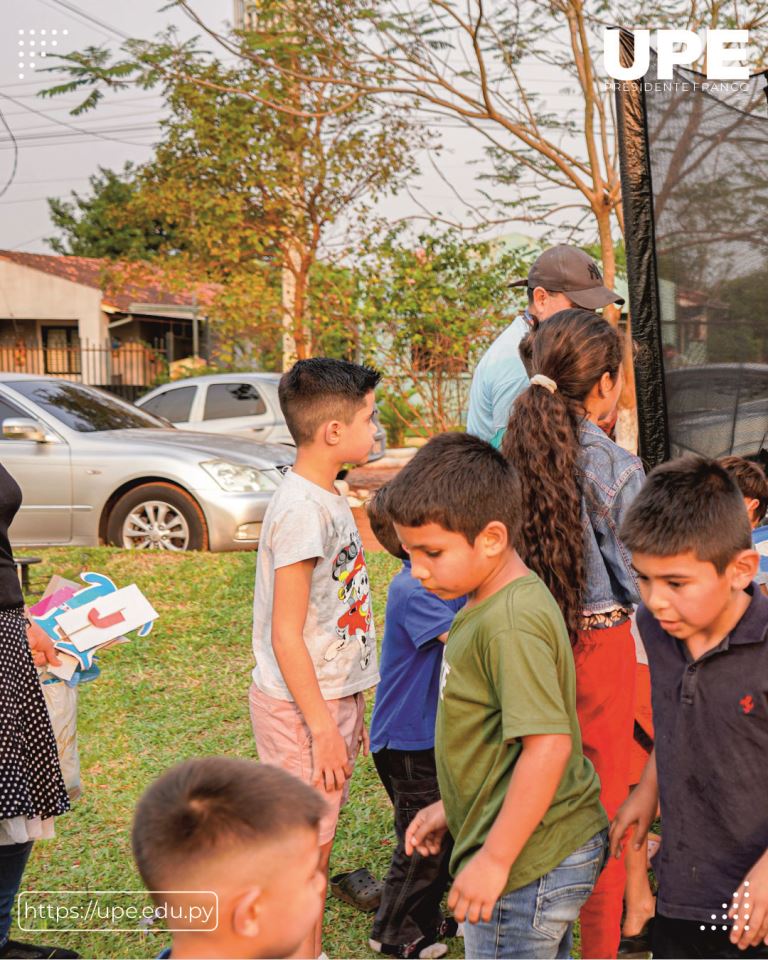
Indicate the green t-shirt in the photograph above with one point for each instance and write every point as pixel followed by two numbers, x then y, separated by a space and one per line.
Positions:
pixel 508 672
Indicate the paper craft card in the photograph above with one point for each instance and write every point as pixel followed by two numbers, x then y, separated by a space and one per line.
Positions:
pixel 106 618
pixel 66 669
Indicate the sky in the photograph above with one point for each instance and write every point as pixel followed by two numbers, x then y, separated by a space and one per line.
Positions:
pixel 57 152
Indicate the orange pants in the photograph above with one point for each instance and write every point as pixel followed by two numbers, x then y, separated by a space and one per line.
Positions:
pixel 605 704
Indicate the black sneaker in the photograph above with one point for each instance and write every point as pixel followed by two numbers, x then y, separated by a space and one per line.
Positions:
pixel 638 946
pixel 424 948
pixel 449 928
pixel 15 950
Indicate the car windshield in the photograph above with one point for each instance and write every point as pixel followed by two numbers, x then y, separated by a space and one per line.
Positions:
pixel 82 408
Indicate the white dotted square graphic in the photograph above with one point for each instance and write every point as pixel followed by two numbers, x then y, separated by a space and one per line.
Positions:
pixel 30 48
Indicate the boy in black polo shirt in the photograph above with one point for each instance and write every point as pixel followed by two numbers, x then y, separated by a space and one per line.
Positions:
pixel 705 628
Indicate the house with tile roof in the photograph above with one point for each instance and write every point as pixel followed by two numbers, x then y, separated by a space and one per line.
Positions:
pixel 73 316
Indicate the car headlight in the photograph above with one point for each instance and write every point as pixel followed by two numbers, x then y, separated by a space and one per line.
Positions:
pixel 237 478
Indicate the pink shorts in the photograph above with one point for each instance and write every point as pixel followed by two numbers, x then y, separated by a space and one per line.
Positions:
pixel 283 739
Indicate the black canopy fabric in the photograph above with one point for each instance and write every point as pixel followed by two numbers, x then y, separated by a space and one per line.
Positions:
pixel 695 176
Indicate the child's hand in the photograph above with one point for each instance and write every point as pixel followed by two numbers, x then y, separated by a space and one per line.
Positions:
pixel 330 760
pixel 41 645
pixel 749 910
pixel 637 811
pixel 477 888
pixel 365 741
pixel 426 831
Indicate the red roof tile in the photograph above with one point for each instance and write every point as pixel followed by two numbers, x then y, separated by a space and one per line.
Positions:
pixel 142 284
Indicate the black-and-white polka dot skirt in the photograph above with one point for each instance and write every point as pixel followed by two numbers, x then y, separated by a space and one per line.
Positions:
pixel 31 784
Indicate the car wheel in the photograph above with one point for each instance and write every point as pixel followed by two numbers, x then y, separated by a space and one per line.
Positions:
pixel 157 516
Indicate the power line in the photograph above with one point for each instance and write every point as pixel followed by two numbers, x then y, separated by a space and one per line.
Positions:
pixel 34 83
pixel 71 139
pixel 27 242
pixel 77 142
pixel 67 102
pixel 55 120
pixel 81 128
pixel 8 203
pixel 7 186
pixel 78 12
pixel 25 183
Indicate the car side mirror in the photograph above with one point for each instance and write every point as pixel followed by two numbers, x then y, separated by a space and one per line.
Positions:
pixel 25 428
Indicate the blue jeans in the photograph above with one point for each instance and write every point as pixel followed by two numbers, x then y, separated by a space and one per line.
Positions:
pixel 13 859
pixel 536 921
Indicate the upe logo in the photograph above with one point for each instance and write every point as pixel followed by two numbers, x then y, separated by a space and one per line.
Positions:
pixel 679 48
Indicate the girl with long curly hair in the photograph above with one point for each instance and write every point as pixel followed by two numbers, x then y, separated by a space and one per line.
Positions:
pixel 577 485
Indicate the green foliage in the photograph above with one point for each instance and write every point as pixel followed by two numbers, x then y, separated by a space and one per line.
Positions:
pixel 99 225
pixel 394 415
pixel 429 311
pixel 260 158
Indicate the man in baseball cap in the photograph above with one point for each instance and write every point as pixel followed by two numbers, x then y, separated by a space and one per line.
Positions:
pixel 561 277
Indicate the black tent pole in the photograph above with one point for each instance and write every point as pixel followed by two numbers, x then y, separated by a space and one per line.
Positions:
pixel 639 237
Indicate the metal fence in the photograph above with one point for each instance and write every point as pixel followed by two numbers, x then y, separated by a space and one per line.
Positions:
pixel 127 369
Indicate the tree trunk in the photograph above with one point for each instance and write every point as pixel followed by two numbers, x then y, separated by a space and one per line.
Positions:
pixel 626 424
pixel 295 281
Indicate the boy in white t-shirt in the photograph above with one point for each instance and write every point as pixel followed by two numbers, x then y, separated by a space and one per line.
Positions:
pixel 313 633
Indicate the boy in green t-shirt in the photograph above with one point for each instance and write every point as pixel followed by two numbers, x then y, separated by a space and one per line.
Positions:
pixel 518 795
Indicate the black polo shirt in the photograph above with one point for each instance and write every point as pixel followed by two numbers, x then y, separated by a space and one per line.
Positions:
pixel 711 729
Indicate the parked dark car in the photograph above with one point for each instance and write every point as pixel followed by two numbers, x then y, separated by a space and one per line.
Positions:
pixel 718 409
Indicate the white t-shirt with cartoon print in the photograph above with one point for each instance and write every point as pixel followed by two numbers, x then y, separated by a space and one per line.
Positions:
pixel 303 521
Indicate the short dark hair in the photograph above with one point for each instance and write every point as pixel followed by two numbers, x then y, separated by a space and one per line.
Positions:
pixel 750 479
pixel 320 389
pixel 459 482
pixel 552 293
pixel 382 526
pixel 689 504
pixel 210 806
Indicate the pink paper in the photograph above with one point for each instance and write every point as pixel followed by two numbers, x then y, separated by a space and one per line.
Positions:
pixel 42 606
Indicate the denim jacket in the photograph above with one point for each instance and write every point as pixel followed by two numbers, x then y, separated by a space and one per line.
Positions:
pixel 611 478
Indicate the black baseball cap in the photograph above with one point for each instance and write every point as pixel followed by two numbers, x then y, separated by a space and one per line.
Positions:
pixel 568 270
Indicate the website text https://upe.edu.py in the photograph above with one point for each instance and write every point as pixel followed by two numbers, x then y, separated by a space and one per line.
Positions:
pixel 113 911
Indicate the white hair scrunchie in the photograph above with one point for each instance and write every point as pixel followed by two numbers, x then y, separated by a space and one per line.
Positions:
pixel 540 380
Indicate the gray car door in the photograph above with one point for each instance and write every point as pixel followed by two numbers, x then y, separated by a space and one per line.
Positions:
pixel 43 471
pixel 176 404
pixel 237 407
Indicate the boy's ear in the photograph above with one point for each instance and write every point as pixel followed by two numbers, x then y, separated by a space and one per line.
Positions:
pixel 332 432
pixel 494 538
pixel 744 568
pixel 245 915
pixel 752 504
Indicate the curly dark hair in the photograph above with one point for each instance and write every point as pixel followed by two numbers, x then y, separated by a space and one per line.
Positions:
pixel 574 348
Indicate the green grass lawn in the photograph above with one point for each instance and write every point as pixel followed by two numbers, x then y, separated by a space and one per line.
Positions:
pixel 181 692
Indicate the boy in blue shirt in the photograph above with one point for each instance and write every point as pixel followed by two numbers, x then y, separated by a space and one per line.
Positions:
pixel 751 480
pixel 409 922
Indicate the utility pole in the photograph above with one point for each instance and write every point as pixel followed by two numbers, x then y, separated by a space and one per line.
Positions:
pixel 195 328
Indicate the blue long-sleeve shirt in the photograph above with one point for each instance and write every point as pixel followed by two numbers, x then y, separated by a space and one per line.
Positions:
pixel 499 379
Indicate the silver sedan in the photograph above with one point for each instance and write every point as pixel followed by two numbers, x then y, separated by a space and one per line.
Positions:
pixel 94 469
pixel 241 404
